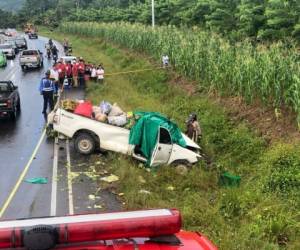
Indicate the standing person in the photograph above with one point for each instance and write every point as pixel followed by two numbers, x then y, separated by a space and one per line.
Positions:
pixel 193 128
pixel 75 73
pixel 69 72
pixel 66 45
pixel 165 61
pixel 48 50
pixel 54 51
pixel 47 90
pixel 54 75
pixel 81 71
pixel 93 73
pixel 100 74
pixel 61 72
pixel 50 42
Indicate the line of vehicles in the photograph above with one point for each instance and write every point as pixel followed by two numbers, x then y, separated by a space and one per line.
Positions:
pixel 10 45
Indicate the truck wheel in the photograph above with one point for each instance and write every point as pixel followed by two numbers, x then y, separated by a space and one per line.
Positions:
pixel 85 144
pixel 13 114
pixel 19 106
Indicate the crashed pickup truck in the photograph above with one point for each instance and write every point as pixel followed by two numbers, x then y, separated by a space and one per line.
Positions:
pixel 153 139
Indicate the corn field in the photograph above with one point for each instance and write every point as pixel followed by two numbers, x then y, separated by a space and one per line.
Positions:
pixel 270 74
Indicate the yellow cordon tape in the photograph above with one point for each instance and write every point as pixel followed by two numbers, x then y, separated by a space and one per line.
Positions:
pixel 15 189
pixel 132 71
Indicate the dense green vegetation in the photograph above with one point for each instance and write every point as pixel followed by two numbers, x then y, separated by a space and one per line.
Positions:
pixel 262 213
pixel 269 74
pixel 236 19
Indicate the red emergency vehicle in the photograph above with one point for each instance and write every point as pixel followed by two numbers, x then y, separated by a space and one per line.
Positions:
pixel 137 230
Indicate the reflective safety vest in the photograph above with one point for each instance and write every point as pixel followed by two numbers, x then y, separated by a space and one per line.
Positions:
pixel 46 85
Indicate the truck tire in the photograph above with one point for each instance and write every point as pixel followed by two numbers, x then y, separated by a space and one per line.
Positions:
pixel 13 114
pixel 85 144
pixel 19 105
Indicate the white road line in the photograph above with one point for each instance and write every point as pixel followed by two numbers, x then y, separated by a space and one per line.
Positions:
pixel 54 179
pixel 10 74
pixel 70 189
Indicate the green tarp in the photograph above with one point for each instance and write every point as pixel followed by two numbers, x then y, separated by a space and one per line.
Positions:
pixel 145 132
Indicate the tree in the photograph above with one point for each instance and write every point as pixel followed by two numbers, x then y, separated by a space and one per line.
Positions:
pixel 281 17
pixel 251 17
pixel 222 18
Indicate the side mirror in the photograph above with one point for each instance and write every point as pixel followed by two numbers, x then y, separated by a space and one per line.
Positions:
pixel 15 87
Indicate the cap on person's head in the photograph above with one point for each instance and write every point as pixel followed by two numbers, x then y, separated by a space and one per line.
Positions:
pixel 48 73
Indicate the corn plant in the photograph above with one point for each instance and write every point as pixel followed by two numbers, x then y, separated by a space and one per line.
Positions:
pixel 268 74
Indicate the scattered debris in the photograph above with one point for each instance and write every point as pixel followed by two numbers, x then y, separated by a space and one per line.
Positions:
pixel 141 179
pixel 92 197
pixel 110 179
pixel 143 191
pixel 170 188
pixel 39 180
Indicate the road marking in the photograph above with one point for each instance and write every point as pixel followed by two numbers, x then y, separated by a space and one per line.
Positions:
pixel 54 179
pixel 70 189
pixel 17 185
pixel 10 74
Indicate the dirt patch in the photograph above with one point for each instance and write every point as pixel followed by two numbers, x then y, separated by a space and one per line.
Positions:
pixel 272 127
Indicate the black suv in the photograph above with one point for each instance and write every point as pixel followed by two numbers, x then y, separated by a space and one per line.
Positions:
pixel 10 103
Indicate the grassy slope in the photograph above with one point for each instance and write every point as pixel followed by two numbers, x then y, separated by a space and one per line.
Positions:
pixel 260 214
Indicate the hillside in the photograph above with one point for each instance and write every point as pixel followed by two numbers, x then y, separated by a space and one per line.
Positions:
pixel 11 5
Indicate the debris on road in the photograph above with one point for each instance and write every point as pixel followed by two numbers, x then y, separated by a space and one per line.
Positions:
pixel 39 180
pixel 92 197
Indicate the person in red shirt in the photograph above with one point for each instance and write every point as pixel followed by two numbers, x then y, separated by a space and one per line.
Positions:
pixel 75 73
pixel 61 68
pixel 68 67
pixel 81 71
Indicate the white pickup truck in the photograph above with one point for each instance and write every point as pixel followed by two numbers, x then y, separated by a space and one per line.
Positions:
pixel 89 134
pixel 31 59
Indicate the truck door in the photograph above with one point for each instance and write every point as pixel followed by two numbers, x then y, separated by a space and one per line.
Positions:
pixel 163 148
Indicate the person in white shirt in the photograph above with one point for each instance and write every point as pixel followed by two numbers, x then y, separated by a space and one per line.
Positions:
pixel 100 74
pixel 165 60
pixel 93 73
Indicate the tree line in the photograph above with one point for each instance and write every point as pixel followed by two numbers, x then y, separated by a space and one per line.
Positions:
pixel 236 19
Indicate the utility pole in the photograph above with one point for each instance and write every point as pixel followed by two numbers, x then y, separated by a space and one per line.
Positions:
pixel 153 15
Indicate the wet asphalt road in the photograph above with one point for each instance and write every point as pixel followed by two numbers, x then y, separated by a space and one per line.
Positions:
pixel 18 140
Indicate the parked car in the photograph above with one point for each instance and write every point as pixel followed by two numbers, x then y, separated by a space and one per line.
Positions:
pixel 10 103
pixel 157 229
pixel 31 59
pixel 21 43
pixel 8 50
pixel 88 134
pixel 33 35
pixel 3 61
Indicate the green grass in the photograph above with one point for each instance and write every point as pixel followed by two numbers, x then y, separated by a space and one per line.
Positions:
pixel 263 213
